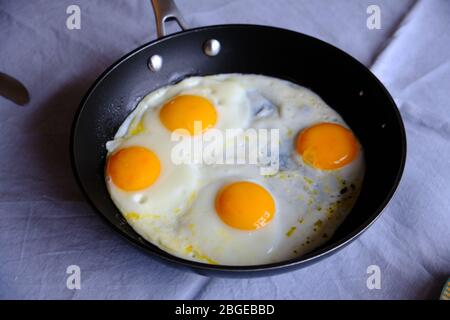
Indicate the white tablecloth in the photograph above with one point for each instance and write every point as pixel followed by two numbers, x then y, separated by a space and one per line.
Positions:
pixel 46 225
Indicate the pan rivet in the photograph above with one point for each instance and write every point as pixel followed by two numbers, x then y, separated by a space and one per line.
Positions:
pixel 155 62
pixel 211 47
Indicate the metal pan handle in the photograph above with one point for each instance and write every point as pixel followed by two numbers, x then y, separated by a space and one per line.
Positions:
pixel 166 10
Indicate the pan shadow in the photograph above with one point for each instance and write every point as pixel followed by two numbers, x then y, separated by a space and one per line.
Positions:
pixel 53 122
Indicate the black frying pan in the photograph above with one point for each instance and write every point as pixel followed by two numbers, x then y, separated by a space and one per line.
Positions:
pixel 344 83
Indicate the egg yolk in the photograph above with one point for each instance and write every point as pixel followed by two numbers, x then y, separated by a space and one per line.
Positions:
pixel 327 146
pixel 133 168
pixel 245 205
pixel 183 111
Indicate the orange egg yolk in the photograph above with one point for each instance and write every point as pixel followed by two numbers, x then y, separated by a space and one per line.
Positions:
pixel 183 111
pixel 327 146
pixel 133 168
pixel 245 205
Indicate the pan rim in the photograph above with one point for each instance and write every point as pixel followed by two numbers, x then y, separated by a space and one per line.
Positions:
pixel 253 270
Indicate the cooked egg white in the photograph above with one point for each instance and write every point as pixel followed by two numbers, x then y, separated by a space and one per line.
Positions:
pixel 231 214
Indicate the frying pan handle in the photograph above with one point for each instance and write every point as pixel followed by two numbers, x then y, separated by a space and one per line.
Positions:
pixel 166 10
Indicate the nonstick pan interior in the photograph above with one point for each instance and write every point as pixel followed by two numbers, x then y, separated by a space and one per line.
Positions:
pixel 344 84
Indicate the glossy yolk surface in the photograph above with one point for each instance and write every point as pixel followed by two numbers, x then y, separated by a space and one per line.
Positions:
pixel 327 146
pixel 245 205
pixel 183 111
pixel 133 168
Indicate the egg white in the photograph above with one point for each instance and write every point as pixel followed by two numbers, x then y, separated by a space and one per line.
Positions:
pixel 204 230
pixel 170 192
pixel 179 215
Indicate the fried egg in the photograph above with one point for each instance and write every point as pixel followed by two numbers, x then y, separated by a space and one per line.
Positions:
pixel 232 213
pixel 142 179
pixel 220 104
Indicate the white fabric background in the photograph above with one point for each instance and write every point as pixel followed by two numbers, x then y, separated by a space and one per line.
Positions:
pixel 46 225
